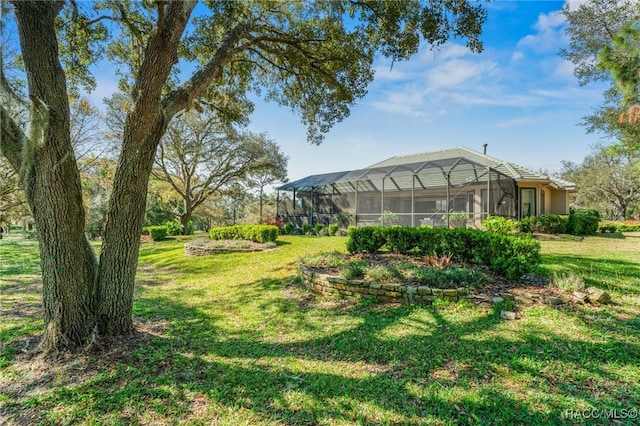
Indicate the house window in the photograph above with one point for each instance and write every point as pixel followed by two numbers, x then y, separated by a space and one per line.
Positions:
pixel 542 202
pixel 484 195
pixel 471 202
pixel 527 203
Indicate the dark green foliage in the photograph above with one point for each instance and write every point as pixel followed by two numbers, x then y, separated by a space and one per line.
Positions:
pixel 355 269
pixel 157 233
pixel 319 228
pixel 333 229
pixel 607 228
pixel 527 224
pixel 552 223
pixel 306 228
pixel 513 256
pixel 368 239
pixel 508 255
pixel 583 222
pixel 451 277
pixel 288 228
pixel 256 233
pixel 402 239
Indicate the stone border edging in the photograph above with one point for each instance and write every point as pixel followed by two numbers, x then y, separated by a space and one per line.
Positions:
pixel 204 251
pixel 329 285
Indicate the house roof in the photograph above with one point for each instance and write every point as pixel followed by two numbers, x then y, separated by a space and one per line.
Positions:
pixel 469 166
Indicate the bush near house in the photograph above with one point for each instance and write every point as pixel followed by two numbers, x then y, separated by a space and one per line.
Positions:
pixel 507 255
pixel 256 233
pixel 157 233
pixel 500 225
pixel 577 222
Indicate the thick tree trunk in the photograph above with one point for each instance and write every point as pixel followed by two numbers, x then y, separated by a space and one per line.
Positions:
pixel 52 186
pixel 145 124
pixel 121 241
pixel 184 220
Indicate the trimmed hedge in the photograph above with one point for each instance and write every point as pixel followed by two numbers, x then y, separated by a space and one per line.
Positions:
pixel 509 255
pixel 583 222
pixel 256 233
pixel 551 223
pixel 613 226
pixel 577 222
pixel 157 233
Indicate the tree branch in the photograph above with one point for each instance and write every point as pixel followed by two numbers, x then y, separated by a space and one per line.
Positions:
pixel 182 97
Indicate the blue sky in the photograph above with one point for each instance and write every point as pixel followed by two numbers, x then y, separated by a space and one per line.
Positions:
pixel 518 96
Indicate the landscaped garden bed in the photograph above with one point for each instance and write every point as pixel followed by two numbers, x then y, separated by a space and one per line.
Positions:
pixel 204 247
pixel 405 279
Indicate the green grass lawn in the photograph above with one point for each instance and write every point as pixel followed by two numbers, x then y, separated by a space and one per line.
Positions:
pixel 234 339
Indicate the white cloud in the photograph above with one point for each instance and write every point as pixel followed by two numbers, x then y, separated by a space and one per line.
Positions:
pixel 549 35
pixel 564 70
pixel 457 72
pixel 517 56
pixel 451 51
pixel 514 123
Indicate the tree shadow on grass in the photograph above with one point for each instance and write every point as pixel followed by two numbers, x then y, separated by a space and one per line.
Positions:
pixel 597 272
pixel 350 364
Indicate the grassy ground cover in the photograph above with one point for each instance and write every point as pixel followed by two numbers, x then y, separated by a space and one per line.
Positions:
pixel 234 339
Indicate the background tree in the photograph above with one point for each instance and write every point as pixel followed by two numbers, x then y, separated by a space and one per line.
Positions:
pixel 622 59
pixel 12 203
pixel 200 156
pixel 608 180
pixel 260 178
pixel 313 57
pixel 593 28
pixel 87 133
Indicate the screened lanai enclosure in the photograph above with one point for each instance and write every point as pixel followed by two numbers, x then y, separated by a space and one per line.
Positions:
pixel 455 187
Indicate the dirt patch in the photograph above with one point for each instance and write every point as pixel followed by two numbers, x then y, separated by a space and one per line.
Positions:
pixel 34 374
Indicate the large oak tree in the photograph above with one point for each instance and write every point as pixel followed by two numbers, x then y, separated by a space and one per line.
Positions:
pixel 200 157
pixel 313 57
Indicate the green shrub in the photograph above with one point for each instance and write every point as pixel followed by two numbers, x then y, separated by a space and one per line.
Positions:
pixel 157 233
pixel 288 228
pixel 618 226
pixel 225 233
pixel 628 227
pixel 552 223
pixel 306 228
pixel 499 225
pixel 508 255
pixel 513 256
pixel 583 222
pixel 333 229
pixel 402 239
pixel 256 233
pixel 174 227
pixel 368 239
pixel 451 278
pixel 527 224
pixel 355 269
pixel 319 228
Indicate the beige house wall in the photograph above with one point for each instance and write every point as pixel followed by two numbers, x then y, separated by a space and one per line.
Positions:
pixel 555 201
pixel 559 202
